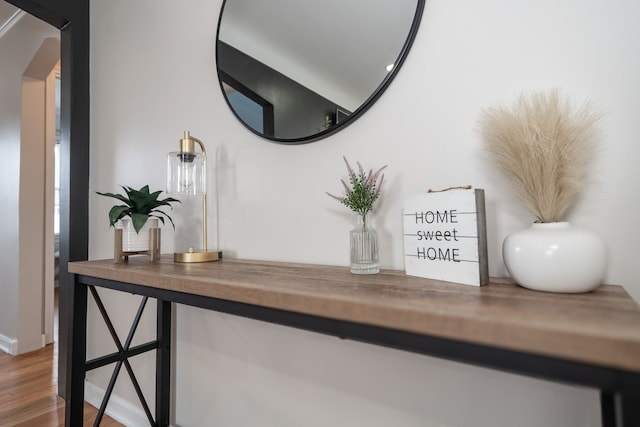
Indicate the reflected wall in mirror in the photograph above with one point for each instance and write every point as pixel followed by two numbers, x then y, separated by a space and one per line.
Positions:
pixel 295 71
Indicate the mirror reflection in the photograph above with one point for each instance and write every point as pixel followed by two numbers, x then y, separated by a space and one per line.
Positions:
pixel 294 71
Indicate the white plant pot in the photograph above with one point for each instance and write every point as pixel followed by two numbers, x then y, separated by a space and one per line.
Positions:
pixel 132 241
pixel 555 257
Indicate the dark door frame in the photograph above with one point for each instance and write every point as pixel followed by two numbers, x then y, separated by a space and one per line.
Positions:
pixel 71 17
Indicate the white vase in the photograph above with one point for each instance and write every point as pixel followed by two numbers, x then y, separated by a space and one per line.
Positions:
pixel 555 257
pixel 132 241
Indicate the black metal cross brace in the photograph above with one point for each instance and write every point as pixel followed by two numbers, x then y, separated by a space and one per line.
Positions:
pixel 121 357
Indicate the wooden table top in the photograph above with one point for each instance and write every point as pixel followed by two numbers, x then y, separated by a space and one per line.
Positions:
pixel 601 327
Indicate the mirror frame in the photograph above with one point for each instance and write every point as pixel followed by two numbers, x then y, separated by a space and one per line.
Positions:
pixel 406 47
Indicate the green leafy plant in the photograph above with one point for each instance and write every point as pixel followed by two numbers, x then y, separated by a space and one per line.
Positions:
pixel 363 188
pixel 139 205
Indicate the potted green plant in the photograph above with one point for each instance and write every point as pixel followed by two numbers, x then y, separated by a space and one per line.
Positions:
pixel 140 211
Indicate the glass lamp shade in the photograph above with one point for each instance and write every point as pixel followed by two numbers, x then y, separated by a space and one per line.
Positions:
pixel 186 173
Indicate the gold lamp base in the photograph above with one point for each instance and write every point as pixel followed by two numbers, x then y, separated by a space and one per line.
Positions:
pixel 194 256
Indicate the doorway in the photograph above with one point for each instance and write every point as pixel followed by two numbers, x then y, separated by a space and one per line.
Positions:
pixel 36 253
pixel 71 17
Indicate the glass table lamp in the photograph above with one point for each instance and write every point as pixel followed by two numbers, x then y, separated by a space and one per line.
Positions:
pixel 187 175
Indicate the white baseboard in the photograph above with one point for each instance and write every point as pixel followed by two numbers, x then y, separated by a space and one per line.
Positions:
pixel 117 408
pixel 8 345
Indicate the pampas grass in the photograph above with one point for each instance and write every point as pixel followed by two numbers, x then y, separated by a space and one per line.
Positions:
pixel 544 145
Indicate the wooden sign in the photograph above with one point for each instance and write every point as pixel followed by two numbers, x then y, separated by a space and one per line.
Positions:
pixel 445 236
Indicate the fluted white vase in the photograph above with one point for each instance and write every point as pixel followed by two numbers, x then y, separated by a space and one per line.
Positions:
pixel 555 257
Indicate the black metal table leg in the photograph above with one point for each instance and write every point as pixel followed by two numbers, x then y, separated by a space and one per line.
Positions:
pixel 163 363
pixel 607 409
pixel 628 401
pixel 621 408
pixel 77 365
pixel 76 355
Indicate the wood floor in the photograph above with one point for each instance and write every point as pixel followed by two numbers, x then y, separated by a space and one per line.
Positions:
pixel 28 395
pixel 28 391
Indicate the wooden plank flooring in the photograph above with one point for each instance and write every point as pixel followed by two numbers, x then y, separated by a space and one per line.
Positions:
pixel 28 391
pixel 28 395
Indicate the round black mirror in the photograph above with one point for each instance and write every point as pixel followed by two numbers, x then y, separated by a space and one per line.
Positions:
pixel 296 71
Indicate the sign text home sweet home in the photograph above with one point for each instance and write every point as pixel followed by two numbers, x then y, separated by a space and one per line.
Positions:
pixel 445 236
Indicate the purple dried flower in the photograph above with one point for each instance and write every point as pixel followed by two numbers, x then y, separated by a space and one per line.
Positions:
pixel 364 190
pixel 340 199
pixel 380 185
pixel 349 169
pixel 347 190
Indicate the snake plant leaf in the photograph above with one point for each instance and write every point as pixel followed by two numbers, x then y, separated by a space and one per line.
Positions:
pixel 116 213
pixel 138 220
pixel 116 196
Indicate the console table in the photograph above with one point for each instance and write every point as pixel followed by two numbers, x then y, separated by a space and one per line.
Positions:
pixel 588 339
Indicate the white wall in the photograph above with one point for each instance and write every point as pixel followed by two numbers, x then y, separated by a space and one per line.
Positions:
pixel 17 48
pixel 153 76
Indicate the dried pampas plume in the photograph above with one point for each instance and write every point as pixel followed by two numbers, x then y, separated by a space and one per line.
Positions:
pixel 544 146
